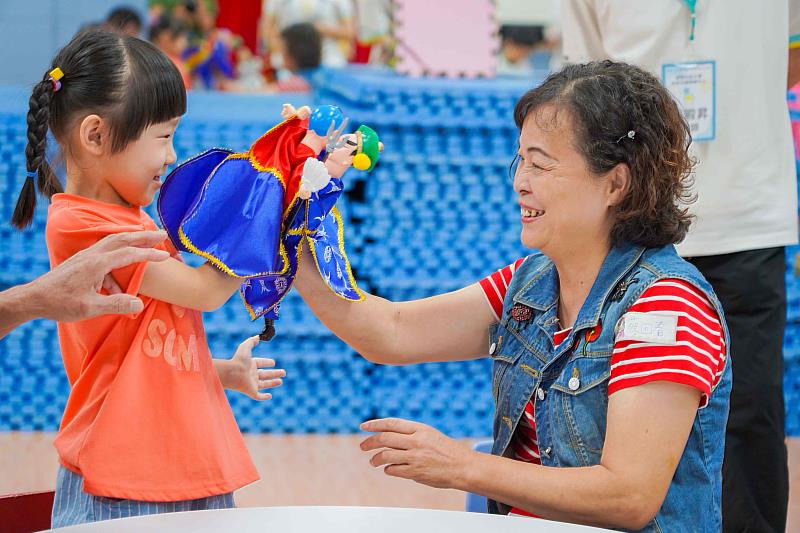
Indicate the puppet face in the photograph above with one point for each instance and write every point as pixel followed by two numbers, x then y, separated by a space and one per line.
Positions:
pixel 340 159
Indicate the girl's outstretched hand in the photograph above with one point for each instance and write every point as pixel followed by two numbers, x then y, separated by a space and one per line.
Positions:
pixel 250 375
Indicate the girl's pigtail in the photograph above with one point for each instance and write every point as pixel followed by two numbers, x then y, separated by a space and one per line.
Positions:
pixel 35 155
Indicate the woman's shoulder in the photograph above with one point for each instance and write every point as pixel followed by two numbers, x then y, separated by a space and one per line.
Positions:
pixel 495 285
pixel 665 262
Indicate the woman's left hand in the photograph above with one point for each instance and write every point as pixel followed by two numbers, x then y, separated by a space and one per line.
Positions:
pixel 417 451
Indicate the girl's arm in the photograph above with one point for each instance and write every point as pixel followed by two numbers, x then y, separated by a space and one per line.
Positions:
pixel 204 288
pixel 625 490
pixel 449 327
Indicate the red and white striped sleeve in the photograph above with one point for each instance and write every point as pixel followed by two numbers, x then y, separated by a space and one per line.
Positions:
pixel 495 286
pixel 696 358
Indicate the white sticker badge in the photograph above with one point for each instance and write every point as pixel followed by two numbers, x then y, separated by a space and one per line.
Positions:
pixel 694 86
pixel 648 327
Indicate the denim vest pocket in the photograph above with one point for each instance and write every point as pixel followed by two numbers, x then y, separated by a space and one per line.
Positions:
pixel 505 350
pixel 578 401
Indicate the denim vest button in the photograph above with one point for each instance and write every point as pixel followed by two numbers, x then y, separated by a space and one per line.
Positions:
pixel 574 384
pixel 546 452
pixel 492 348
pixel 540 394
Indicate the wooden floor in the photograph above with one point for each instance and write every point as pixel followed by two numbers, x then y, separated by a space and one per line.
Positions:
pixel 295 470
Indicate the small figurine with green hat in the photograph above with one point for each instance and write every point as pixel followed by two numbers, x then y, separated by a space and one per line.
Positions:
pixel 369 148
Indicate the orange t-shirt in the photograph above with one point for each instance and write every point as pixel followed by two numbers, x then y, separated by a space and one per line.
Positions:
pixel 146 418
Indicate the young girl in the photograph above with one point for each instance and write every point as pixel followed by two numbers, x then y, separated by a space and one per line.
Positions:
pixel 147 428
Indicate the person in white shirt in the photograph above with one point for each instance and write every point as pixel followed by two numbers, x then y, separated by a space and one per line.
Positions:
pixel 332 18
pixel 726 63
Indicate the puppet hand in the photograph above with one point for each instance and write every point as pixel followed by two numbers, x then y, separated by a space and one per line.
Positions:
pixel 315 176
pixel 287 111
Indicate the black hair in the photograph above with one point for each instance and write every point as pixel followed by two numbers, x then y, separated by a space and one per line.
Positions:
pixel 303 43
pixel 169 25
pixel 122 16
pixel 127 81
pixel 621 114
pixel 523 35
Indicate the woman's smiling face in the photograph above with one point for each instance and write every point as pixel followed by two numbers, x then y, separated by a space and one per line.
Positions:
pixel 563 205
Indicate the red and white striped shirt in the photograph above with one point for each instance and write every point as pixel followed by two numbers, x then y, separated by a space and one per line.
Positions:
pixel 696 358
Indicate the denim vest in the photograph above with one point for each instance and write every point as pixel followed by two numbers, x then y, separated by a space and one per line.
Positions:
pixel 570 383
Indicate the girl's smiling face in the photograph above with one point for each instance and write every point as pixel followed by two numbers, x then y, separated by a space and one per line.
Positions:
pixel 135 172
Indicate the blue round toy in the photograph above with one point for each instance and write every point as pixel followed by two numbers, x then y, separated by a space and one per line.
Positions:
pixel 320 120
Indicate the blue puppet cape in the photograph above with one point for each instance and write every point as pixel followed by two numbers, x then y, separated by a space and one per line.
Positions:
pixel 240 211
pixel 320 224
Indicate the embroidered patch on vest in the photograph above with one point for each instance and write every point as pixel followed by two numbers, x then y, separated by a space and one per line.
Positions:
pixel 521 313
pixel 656 328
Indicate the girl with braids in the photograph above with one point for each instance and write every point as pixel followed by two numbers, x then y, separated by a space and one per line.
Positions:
pixel 147 428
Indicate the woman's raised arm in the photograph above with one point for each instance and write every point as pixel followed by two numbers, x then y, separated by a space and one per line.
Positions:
pixel 448 327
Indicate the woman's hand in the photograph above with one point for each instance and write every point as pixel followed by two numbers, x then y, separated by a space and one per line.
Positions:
pixel 248 374
pixel 417 451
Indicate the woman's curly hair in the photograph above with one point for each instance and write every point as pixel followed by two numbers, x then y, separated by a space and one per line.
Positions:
pixel 606 100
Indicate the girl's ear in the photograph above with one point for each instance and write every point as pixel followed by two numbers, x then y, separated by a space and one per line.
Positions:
pixel 93 135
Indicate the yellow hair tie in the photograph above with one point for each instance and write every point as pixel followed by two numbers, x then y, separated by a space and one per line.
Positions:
pixel 56 74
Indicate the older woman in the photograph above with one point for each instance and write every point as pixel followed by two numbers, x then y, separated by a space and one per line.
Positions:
pixel 610 375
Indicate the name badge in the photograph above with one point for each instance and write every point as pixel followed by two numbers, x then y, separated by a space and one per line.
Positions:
pixel 693 85
pixel 648 327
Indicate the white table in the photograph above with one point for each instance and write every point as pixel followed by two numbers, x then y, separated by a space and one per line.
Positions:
pixel 329 520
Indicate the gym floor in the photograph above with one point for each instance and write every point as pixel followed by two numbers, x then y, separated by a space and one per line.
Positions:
pixel 296 470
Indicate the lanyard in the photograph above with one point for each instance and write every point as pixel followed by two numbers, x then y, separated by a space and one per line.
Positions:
pixel 692 5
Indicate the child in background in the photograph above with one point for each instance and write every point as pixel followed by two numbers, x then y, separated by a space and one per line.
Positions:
pixel 147 427
pixel 301 47
pixel 172 37
pixel 518 43
pixel 333 19
pixel 124 20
